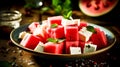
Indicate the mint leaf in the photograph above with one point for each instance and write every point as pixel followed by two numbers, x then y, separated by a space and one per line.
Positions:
pixel 55 2
pixel 67 14
pixel 52 40
pixel 54 25
pixel 91 29
pixel 55 40
pixel 58 9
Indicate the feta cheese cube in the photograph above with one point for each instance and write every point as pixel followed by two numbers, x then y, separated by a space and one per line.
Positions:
pixel 22 34
pixel 75 50
pixel 39 47
pixel 38 31
pixel 89 48
pixel 71 22
pixel 84 34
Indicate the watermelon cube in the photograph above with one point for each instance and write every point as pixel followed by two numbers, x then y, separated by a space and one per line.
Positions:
pixel 57 32
pixel 75 50
pixel 71 33
pixel 99 38
pixel 22 34
pixel 89 48
pixel 82 24
pixel 39 47
pixel 30 41
pixel 70 44
pixel 81 44
pixel 75 22
pixel 84 34
pixel 41 32
pixel 55 48
pixel 55 20
pixel 33 26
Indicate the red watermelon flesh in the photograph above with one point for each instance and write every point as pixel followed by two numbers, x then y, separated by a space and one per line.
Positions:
pixel 71 33
pixel 41 32
pixel 30 41
pixel 57 32
pixel 81 44
pixel 55 48
pixel 99 38
pixel 82 24
pixel 70 44
pixel 96 8
pixel 33 26
pixel 55 20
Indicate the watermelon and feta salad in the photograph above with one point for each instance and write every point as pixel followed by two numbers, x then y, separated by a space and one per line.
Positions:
pixel 62 36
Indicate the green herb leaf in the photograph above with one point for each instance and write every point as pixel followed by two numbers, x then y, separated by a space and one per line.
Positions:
pixel 91 29
pixel 55 2
pixel 58 9
pixel 55 40
pixel 54 25
pixel 67 15
pixel 52 40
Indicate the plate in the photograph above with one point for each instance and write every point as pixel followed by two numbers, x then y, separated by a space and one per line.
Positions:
pixel 15 33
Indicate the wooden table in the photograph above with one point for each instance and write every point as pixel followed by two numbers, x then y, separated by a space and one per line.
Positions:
pixel 19 58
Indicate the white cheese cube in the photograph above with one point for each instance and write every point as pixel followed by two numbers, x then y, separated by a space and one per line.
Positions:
pixel 77 21
pixel 75 50
pixel 39 47
pixel 22 34
pixel 84 34
pixel 39 31
pixel 89 48
pixel 71 22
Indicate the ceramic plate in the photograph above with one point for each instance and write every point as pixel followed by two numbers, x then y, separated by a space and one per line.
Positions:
pixel 15 33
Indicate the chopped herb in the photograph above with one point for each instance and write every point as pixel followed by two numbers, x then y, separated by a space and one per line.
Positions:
pixel 55 40
pixel 67 15
pixel 91 29
pixel 54 25
pixel 52 40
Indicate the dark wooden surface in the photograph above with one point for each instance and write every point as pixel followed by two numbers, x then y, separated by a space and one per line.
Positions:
pixel 19 58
